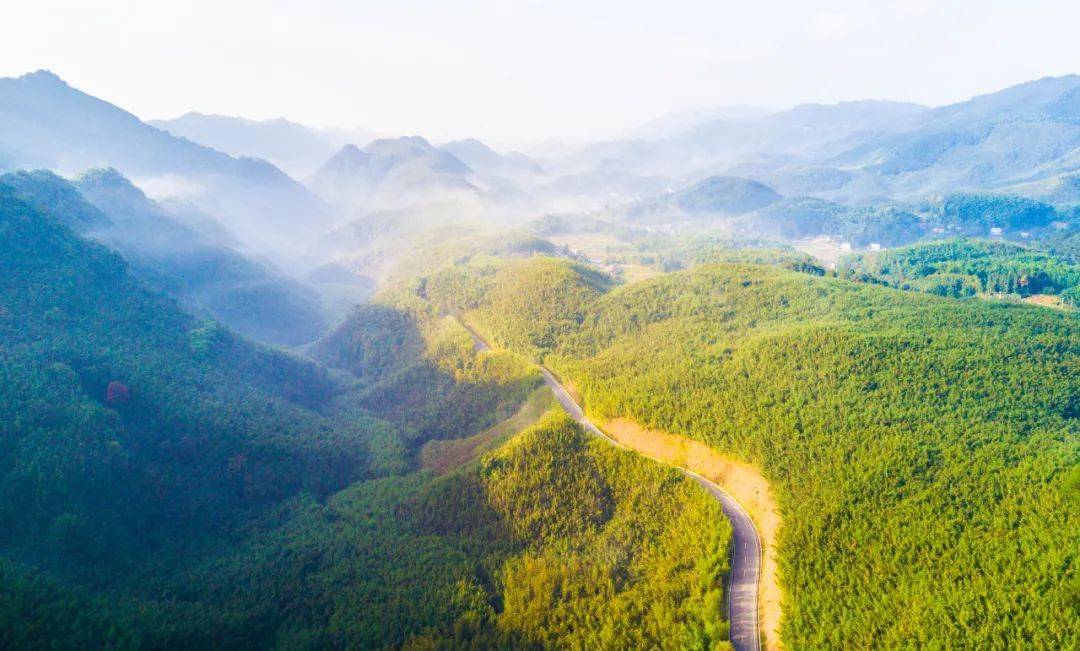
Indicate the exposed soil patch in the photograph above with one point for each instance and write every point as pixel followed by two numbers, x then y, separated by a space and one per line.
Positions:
pixel 1046 300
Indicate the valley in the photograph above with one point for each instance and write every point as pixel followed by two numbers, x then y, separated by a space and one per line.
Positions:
pixel 747 579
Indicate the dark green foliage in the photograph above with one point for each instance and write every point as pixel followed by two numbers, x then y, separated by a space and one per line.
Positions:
pixel 983 211
pixel 50 193
pixel 213 429
pixel 961 268
pixel 918 446
pixel 801 217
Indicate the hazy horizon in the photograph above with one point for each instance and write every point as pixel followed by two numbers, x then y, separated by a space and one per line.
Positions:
pixel 524 74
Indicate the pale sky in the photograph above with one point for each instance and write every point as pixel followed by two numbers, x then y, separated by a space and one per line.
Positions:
pixel 520 72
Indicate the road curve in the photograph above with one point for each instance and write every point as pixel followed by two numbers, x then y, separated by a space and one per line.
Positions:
pixel 746 544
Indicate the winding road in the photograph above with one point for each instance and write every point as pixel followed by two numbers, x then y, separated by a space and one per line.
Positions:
pixel 746 544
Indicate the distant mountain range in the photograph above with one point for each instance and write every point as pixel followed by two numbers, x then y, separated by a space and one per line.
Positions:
pixel 1021 134
pixel 1021 139
pixel 385 172
pixel 295 148
pixel 396 173
pixel 44 123
pixel 844 169
pixel 486 160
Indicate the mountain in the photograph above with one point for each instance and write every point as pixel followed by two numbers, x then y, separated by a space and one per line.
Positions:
pixel 753 146
pixel 393 172
pixel 45 123
pixel 1020 134
pixel 131 427
pixel 805 131
pixel 680 121
pixel 1025 138
pixel 166 484
pixel 205 276
pixel 295 148
pixel 711 198
pixel 486 160
pixel 725 195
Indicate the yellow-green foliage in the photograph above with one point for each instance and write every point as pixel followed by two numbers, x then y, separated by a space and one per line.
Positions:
pixel 918 446
pixel 605 549
pixel 542 297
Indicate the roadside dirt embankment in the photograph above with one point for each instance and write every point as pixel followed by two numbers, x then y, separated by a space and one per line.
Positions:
pixel 742 481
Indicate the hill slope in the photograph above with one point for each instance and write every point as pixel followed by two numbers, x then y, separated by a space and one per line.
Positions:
pixel 391 172
pixel 1026 132
pixel 202 274
pixel 131 425
pixel 166 484
pixel 918 446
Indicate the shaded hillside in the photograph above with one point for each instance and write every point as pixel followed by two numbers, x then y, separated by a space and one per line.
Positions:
pixel 131 425
pixel 713 198
pixel 203 275
pixel 720 195
pixel 416 369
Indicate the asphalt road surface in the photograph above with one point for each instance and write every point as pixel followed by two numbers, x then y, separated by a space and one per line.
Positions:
pixel 746 546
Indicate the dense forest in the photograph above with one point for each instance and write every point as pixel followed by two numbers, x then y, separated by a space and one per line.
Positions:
pixel 166 484
pixel 801 217
pixel 960 268
pixel 919 446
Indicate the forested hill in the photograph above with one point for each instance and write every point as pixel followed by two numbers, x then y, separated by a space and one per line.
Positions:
pixel 131 426
pixel 166 484
pixel 918 445
pixel 960 268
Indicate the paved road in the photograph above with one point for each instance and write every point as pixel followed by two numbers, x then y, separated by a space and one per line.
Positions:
pixel 746 546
